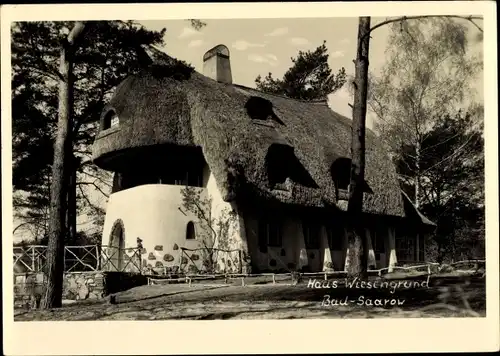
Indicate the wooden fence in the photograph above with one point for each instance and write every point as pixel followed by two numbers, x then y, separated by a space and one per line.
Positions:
pixel 85 258
pixel 429 268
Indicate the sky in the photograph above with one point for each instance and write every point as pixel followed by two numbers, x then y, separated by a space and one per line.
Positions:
pixel 260 46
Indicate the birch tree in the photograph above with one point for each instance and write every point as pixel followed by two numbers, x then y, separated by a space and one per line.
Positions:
pixel 429 73
pixel 357 241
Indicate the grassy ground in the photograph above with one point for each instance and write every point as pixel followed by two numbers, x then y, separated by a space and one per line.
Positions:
pixel 445 297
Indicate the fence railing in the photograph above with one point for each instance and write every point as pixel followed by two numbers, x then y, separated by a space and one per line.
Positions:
pixel 79 258
pixel 120 259
pixel 429 268
pixel 33 258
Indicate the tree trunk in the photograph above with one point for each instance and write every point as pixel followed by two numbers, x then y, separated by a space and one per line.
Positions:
pixel 71 211
pixel 59 187
pixel 356 238
pixel 417 174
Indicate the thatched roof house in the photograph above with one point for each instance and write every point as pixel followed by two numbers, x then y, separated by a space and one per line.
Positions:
pixel 256 145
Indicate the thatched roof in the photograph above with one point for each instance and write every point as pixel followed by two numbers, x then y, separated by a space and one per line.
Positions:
pixel 188 109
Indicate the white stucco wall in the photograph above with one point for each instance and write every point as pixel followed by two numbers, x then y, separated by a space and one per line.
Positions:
pixel 151 212
pixel 235 238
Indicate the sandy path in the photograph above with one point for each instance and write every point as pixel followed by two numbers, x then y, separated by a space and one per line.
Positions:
pixel 236 302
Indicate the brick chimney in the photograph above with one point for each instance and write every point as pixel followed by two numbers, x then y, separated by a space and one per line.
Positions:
pixel 216 64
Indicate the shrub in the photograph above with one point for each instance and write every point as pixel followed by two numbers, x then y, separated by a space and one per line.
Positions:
pixel 158 264
pixel 184 260
pixel 176 247
pixel 272 263
pixel 151 256
pixel 291 266
pixel 159 248
pixel 195 257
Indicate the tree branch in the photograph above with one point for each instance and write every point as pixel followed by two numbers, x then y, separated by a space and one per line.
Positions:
pixel 98 178
pixel 87 199
pixel 95 185
pixel 403 18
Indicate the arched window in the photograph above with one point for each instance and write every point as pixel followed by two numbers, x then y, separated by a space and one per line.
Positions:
pixel 110 120
pixel 190 231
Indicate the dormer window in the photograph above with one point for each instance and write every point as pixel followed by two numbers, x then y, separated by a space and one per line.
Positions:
pixel 110 120
pixel 341 175
pixel 282 164
pixel 261 111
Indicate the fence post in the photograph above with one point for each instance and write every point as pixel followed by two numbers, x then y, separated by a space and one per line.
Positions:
pixel 240 261
pixel 98 258
pixel 33 259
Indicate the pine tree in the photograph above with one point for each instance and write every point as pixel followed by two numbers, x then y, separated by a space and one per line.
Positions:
pixel 106 55
pixel 310 77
